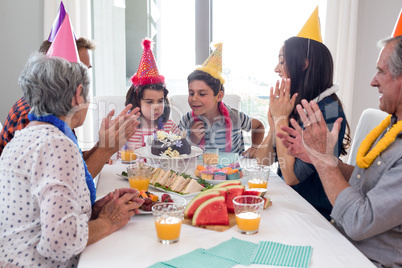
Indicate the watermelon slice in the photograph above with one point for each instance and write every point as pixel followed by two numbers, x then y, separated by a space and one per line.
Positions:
pixel 256 192
pixel 227 183
pixel 212 212
pixel 233 191
pixel 266 202
pixel 223 191
pixel 197 201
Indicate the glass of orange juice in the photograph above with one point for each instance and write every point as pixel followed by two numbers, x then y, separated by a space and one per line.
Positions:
pixel 168 218
pixel 128 155
pixel 257 176
pixel 139 176
pixel 248 213
pixel 210 156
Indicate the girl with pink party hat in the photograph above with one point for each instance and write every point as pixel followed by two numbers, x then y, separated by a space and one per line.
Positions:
pixel 149 92
pixel 212 123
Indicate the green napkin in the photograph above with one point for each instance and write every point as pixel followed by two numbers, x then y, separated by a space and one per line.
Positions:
pixel 197 258
pixel 235 250
pixel 159 265
pixel 272 253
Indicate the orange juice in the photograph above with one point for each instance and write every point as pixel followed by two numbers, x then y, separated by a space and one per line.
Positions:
pixel 139 183
pixel 210 158
pixel 248 221
pixel 168 229
pixel 254 183
pixel 128 155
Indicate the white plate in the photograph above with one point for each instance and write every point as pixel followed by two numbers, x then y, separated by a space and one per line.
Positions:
pixel 122 176
pixel 163 190
pixel 128 162
pixel 214 182
pixel 174 193
pixel 146 153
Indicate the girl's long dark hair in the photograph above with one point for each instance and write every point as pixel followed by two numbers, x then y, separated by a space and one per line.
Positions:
pixel 309 82
pixel 134 96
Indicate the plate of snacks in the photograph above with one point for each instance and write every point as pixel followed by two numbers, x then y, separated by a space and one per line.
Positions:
pixel 219 173
pixel 151 199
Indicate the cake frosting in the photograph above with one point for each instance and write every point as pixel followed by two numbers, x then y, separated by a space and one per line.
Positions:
pixel 169 144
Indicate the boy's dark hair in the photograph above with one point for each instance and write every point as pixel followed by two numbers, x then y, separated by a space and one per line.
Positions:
pixel 212 82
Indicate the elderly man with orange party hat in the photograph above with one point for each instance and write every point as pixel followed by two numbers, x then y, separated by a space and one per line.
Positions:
pixel 367 198
pixel 49 213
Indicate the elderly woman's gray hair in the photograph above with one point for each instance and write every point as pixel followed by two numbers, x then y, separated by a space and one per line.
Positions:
pixel 49 84
pixel 395 61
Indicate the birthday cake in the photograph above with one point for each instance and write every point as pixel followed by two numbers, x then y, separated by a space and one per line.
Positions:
pixel 169 144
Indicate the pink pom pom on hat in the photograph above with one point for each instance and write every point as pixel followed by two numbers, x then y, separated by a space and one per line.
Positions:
pixel 64 45
pixel 147 71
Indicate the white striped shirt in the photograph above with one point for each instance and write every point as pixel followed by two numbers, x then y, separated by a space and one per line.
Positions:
pixel 215 135
pixel 139 139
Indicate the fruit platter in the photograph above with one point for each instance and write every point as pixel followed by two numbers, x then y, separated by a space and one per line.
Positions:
pixel 213 209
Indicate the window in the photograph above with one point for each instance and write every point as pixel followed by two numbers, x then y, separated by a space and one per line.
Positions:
pixel 252 33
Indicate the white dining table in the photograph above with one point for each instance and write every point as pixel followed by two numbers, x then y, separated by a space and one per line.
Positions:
pixel 291 220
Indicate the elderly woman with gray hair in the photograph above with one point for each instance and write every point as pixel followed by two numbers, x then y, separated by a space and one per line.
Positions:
pixel 49 214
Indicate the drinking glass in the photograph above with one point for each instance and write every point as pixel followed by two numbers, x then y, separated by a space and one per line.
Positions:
pixel 139 176
pixel 210 156
pixel 257 176
pixel 168 218
pixel 248 213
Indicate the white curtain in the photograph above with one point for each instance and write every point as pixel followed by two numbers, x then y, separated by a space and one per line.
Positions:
pixel 79 12
pixel 340 38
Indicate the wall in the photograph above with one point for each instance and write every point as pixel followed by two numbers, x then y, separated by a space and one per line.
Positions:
pixel 376 21
pixel 21 31
pixel 24 26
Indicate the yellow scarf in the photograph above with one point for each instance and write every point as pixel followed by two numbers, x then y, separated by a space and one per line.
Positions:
pixel 364 159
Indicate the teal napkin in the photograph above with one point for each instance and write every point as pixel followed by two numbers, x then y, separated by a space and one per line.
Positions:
pixel 235 250
pixel 196 259
pixel 272 253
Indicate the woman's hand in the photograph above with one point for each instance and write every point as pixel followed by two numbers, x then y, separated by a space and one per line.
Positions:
pixel 280 103
pixel 197 132
pixel 122 206
pixel 99 204
pixel 114 133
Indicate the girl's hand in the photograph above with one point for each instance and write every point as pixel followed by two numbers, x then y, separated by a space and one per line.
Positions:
pixel 280 103
pixel 197 132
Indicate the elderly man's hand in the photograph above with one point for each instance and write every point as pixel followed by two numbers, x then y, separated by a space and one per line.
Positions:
pixel 315 142
pixel 114 133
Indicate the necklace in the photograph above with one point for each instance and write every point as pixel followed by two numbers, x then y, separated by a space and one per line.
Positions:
pixel 364 159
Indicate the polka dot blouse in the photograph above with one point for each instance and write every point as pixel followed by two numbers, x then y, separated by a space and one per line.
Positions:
pixel 44 201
